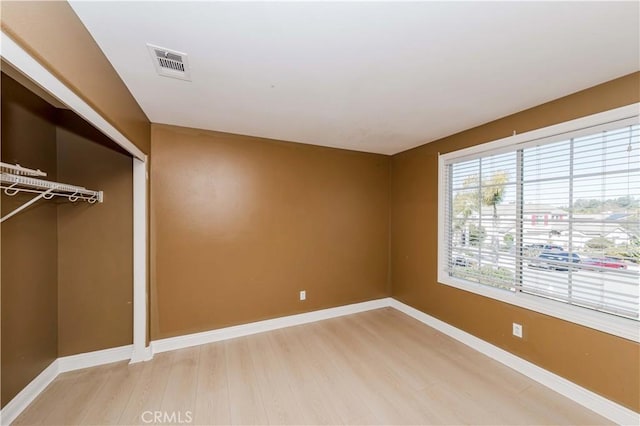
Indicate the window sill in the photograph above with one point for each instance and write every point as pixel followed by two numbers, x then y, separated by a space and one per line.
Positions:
pixel 611 324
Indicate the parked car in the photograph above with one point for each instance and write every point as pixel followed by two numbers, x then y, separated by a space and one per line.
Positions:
pixel 464 262
pixel 554 260
pixel 545 247
pixel 604 262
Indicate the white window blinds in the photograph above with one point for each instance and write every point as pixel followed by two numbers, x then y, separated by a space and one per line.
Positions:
pixel 559 220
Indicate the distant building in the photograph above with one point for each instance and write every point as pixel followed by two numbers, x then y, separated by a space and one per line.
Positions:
pixel 544 223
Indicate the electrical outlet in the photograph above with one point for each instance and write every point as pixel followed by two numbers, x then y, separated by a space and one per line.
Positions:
pixel 303 295
pixel 517 330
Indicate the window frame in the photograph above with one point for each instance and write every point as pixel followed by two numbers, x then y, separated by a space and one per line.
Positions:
pixel 611 324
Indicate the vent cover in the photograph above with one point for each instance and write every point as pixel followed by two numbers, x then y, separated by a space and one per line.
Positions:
pixel 170 63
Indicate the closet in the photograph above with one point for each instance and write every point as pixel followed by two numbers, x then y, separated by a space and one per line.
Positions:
pixel 66 258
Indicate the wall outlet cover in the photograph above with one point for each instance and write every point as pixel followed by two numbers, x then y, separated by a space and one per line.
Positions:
pixel 517 330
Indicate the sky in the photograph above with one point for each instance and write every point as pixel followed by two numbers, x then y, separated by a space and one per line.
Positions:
pixel 605 166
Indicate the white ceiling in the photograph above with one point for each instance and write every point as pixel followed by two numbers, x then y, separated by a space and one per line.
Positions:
pixel 378 77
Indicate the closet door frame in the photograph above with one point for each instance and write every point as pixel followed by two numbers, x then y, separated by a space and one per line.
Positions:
pixel 22 61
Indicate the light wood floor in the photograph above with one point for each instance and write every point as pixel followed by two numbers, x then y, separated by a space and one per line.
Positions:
pixel 377 367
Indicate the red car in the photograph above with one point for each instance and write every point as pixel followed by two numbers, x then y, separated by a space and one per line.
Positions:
pixel 605 262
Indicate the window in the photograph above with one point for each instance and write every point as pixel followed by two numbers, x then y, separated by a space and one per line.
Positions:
pixel 549 220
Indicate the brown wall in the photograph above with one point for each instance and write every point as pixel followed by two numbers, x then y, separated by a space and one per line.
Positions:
pixel 600 362
pixel 53 34
pixel 240 225
pixel 95 255
pixel 29 245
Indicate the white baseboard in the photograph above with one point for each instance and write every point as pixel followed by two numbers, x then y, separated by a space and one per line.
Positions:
pixel 588 399
pixel 92 359
pixel 141 355
pixel 61 365
pixel 12 410
pixel 582 396
pixel 179 342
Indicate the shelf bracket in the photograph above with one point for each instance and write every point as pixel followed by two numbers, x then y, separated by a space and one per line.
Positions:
pixel 27 204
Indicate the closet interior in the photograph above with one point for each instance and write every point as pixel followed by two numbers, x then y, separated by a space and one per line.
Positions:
pixel 66 235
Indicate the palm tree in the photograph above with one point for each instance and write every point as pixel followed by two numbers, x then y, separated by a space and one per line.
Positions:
pixel 493 191
pixel 467 202
pixel 464 204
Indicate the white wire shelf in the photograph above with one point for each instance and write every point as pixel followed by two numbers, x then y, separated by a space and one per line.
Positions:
pixel 17 169
pixel 15 179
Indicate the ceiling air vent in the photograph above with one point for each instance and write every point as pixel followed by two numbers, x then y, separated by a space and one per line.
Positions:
pixel 170 63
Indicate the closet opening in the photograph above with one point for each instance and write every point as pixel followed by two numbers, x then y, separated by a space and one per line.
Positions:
pixel 67 257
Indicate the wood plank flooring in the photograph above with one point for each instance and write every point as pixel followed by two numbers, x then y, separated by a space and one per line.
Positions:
pixel 376 367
